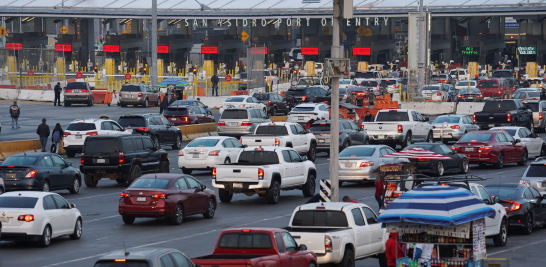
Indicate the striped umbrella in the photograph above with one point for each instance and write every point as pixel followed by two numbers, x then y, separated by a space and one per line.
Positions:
pixel 417 153
pixel 436 204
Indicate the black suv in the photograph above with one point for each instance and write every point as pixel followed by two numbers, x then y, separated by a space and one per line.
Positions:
pixel 308 94
pixel 123 158
pixel 155 126
pixel 273 101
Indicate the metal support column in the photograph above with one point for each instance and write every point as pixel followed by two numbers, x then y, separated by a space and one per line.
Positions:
pixel 337 52
pixel 153 72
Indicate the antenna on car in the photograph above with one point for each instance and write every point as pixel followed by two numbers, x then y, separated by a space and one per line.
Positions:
pixel 125 249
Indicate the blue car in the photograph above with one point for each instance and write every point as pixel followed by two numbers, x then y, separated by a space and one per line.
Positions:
pixel 191 103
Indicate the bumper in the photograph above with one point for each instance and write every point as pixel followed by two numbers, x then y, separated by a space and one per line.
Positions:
pixel 200 164
pixel 480 157
pixel 516 220
pixel 123 169
pixel 386 138
pixel 328 257
pixel 24 184
pixel 245 185
pixel 26 231
pixel 451 135
pixel 140 212
pixel 229 131
pixel 75 148
pixel 487 126
pixel 364 174
pixel 132 101
pixel 76 99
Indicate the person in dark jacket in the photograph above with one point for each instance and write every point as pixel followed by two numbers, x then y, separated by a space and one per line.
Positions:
pixel 43 132
pixel 14 111
pixel 391 250
pixel 58 91
pixel 542 95
pixel 164 104
pixel 314 199
pixel 369 117
pixel 57 136
pixel 214 79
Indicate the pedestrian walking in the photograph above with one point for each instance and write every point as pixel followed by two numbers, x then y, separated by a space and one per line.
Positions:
pixel 164 104
pixel 379 192
pixel 56 138
pixel 43 132
pixel 14 111
pixel 214 79
pixel 57 89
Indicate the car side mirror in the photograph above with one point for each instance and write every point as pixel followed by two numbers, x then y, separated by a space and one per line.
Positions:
pixel 203 187
pixel 303 158
pixel 517 141
pixel 427 119
pixel 496 200
pixel 206 106
pixel 307 131
pixel 72 205
pixel 245 146
pixel 69 164
pixel 302 247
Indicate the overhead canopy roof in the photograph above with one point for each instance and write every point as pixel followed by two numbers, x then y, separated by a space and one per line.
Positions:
pixel 261 8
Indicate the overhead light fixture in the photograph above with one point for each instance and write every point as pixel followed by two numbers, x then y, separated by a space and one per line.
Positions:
pixel 124 21
pixel 27 19
pixel 174 22
pixel 9 19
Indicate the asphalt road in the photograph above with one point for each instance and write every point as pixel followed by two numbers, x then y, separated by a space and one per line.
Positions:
pixel 104 231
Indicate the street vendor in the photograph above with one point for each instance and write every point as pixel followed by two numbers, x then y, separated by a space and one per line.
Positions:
pixel 393 250
pixel 423 252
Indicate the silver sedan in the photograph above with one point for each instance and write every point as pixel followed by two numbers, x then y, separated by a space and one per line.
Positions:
pixel 357 163
pixel 452 127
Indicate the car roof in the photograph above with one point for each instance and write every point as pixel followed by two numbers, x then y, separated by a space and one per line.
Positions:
pixel 163 175
pixel 27 194
pixel 267 148
pixel 32 154
pixel 331 205
pixel 507 127
pixel 309 105
pixel 369 146
pixel 505 185
pixel 140 115
pixel 451 115
pixel 90 120
pixel 279 123
pixel 136 253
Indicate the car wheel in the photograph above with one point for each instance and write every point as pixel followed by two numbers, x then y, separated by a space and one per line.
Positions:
pixel 345 145
pixel 366 141
pixel 90 103
pixel 145 103
pixel 308 188
pixel 75 186
pixel 45 186
pixel 178 217
pixel 70 154
pixel 66 104
pixel 1 190
pixel 311 264
pixel 156 142
pixel 121 181
pixel 227 161
pixel 186 171
pixel 274 111
pixel 312 153
pixel 501 238
pixel 273 193
pixel 439 169
pixel 348 259
pixel 407 141
pixel 464 166
pixel 163 167
pixel 45 240
pixel 211 209
pixel 542 151
pixel 178 142
pixel 500 161
pixel 90 181
pixel 135 173
pixel 78 229
pixel 429 138
pixel 225 195
pixel 128 219
pixel 528 226
pixel 523 160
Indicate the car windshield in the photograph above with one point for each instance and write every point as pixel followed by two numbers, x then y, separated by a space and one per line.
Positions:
pixel 320 218
pixel 132 122
pixel 352 152
pixel 446 119
pixel 100 145
pixel 303 109
pixel 176 111
pixel 533 94
pixel 536 170
pixel 511 132
pixel 502 74
pixel 272 129
pixel 369 83
pixel 76 85
pixel 297 92
pixel 261 96
pixel 304 81
pixel 476 137
pixel 320 127
pixel 234 114
pixel 499 106
pixel 240 240
pixel 466 91
pixel 345 81
pixel 235 99
pixel 467 83
pixel 388 82
pixel 504 192
pixel 203 143
pixel 392 116
pixel 130 88
pixel 533 106
pixel 258 157
pixel 431 88
pixel 150 183
pixel 487 84
pixel 364 75
pixel 19 161
pixel 80 126
pixel 126 263
pixel 17 202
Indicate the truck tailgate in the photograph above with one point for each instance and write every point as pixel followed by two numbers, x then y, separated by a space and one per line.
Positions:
pixel 492 118
pixel 236 173
pixel 258 140
pixel 385 127
pixel 313 240
pixel 231 260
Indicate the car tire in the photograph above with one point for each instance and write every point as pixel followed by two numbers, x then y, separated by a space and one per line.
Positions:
pixel 528 225
pixel 542 151
pixel 312 264
pixel 67 104
pixel 211 209
pixel 524 158
pixel 178 217
pixel 312 153
pixel 186 171
pixel 90 181
pixel 440 169
pixel 273 193
pixel 407 140
pixel 135 173
pixel 464 166
pixel 121 181
pixel 501 238
pixel 274 111
pixel 500 161
pixel 1 190
pixel 90 103
pixel 128 219
pixel 123 105
pixel 157 144
pixel 70 154
pixel 45 239
pixel 163 167
pixel 348 259
pixel 76 184
pixel 145 103
pixel 345 145
pixel 225 195
pixel 178 142
pixel 227 161
pixel 308 188
pixel 78 229
pixel 429 138
pixel 46 187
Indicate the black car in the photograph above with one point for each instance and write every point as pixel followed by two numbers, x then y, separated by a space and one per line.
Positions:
pixel 274 102
pixel 505 112
pixel 120 157
pixel 308 95
pixel 192 103
pixel 470 95
pixel 459 162
pixel 39 171
pixel 155 126
pixel 349 134
pixel 525 207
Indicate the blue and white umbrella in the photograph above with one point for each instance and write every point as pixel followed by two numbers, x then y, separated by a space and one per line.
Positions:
pixel 436 204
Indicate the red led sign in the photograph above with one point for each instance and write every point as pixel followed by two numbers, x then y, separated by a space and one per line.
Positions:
pixel 362 51
pixel 63 47
pixel 110 48
pixel 163 49
pixel 14 46
pixel 209 49
pixel 258 50
pixel 312 51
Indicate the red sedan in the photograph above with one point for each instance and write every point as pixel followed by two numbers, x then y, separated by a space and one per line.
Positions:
pixel 485 147
pixel 166 195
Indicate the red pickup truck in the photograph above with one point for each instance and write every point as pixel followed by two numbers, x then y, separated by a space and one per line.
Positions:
pixel 262 247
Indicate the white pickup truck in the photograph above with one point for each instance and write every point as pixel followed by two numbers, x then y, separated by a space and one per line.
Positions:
pixel 313 82
pixel 339 232
pixel 283 134
pixel 265 171
pixel 398 126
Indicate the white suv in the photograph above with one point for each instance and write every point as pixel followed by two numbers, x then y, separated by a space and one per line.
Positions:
pixel 76 132
pixel 305 112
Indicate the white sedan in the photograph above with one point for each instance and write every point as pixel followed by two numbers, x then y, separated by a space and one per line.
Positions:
pixel 535 145
pixel 242 102
pixel 38 217
pixel 206 152
pixel 303 113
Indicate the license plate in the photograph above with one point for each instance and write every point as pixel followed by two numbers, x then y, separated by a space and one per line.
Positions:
pixel 348 165
pixel 491 125
pixel 237 185
pixel 77 91
pixel 5 219
pixel 321 140
pixel 101 161
pixel 232 124
pixel 10 175
pixel 195 156
pixel 300 118
pixel 78 137
pixel 380 137
pixel 468 149
pixel 141 199
pixel 173 119
pixel 470 97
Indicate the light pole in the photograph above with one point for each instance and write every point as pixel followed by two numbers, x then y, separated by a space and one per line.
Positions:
pixel 337 52
pixel 420 63
pixel 153 71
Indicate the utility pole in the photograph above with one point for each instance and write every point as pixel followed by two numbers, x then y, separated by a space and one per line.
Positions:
pixel 420 63
pixel 153 71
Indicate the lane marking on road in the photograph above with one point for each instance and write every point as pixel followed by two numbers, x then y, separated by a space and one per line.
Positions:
pixel 514 248
pixel 98 219
pixel 93 196
pixel 102 238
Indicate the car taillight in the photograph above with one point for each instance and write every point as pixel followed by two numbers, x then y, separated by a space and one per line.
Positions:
pixel 92 133
pixel 158 196
pixel 119 94
pixel 140 94
pixel 277 142
pixel 303 98
pixel 221 123
pixel 328 243
pixel 85 90
pixel 246 123
pixel 31 174
pixel 81 158
pixel 214 173
pixel 400 128
pixel 65 134
pixel 180 153
pixel 474 118
pixel 366 164
pixel 455 127
pixel 68 91
pixel 26 218
pixel 269 103
pixel 214 153
pixel 438 94
pixel 461 95
pixel 260 174
pixel 480 95
pixel 515 205
pixel 124 195
pixel 508 117
pixel 455 148
pixel 482 148
pixel 143 129
pixel 121 159
pixel 540 115
pixel 527 182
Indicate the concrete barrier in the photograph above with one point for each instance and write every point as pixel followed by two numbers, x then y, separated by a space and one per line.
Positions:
pixel 431 108
pixel 191 132
pixel 469 108
pixel 278 118
pixel 13 147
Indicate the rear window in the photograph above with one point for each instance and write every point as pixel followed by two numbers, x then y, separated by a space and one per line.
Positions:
pixel 235 99
pixel 18 202
pixel 499 106
pixel 203 143
pixel 182 102
pixel 320 127
pixel 76 85
pixel 236 240
pixel 130 88
pixel 259 157
pixel 431 88
pixel 345 82
pixel 469 91
pixel 392 116
pixel 487 84
pixel 476 137
pixel 19 161
pixel 150 183
pixel 132 122
pixel 503 192
pixel 297 92
pixel 127 263
pixel 533 94
pixel 303 109
pixel 388 82
pixel 176 111
pixel 364 75
pixel 440 76
pixel 100 145
pixel 234 114
pixel 502 74
pixel 446 120
pixel 320 218
pixel 357 152
pixel 466 83
pixel 277 130
pixel 369 83
pixel 536 170
pixel 533 106
pixel 511 132
pixel 81 127
pixel 261 96
pixel 342 91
